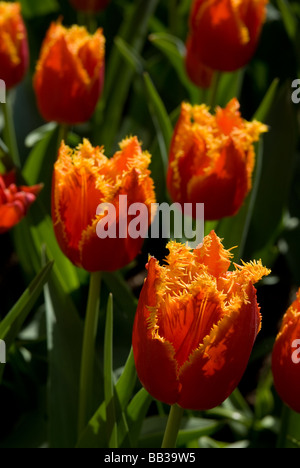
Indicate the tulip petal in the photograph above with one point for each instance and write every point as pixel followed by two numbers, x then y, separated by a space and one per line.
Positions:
pixel 229 177
pixel 154 358
pixel 285 357
pixel 215 369
pixel 10 215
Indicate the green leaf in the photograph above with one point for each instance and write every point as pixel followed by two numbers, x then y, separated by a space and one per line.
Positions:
pixel 276 174
pixel 133 32
pixel 289 430
pixel 64 343
pixel 32 9
pixel 94 436
pixel 123 295
pixel 40 232
pixel 130 55
pixel 40 162
pixel 160 118
pixel 264 109
pixel 174 49
pixel 191 428
pixel 39 134
pixel 12 323
pixel 289 19
pixel 264 400
pixel 136 413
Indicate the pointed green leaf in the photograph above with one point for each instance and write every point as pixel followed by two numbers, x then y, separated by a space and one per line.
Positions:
pixel 160 118
pixel 12 323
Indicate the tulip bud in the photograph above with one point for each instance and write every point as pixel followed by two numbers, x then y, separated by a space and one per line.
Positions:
pixel 14 53
pixel 195 325
pixel 286 357
pixel 83 181
pixel 226 32
pixel 212 158
pixel 70 73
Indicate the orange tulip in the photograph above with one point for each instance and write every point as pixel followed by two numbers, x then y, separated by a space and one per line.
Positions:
pixel 14 53
pixel 286 357
pixel 226 32
pixel 212 158
pixel 195 325
pixel 14 201
pixel 198 73
pixel 70 73
pixel 89 5
pixel 83 180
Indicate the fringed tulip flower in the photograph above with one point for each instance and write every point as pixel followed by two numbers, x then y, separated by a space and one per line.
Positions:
pixel 198 73
pixel 70 74
pixel 286 357
pixel 212 158
pixel 14 201
pixel 89 5
pixel 14 53
pixel 195 325
pixel 85 180
pixel 226 32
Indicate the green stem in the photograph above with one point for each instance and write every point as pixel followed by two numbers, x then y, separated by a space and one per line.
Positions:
pixel 172 428
pixel 214 90
pixel 88 350
pixel 173 16
pixel 88 20
pixel 285 417
pixel 63 131
pixel 9 134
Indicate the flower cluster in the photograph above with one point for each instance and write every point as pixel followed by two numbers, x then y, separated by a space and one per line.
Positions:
pixel 198 315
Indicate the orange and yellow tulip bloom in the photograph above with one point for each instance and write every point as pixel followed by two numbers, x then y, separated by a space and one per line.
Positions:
pixel 196 324
pixel 14 52
pixel 70 74
pixel 83 180
pixel 226 32
pixel 89 5
pixel 286 357
pixel 212 158
pixel 14 201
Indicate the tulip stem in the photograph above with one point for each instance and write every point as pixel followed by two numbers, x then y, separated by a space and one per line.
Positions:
pixel 62 134
pixel 88 350
pixel 173 425
pixel 214 89
pixel 284 425
pixel 10 135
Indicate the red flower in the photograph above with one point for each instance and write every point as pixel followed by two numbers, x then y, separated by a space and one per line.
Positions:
pixel 70 74
pixel 14 201
pixel 195 325
pixel 89 5
pixel 198 73
pixel 226 32
pixel 83 180
pixel 212 158
pixel 286 357
pixel 14 53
